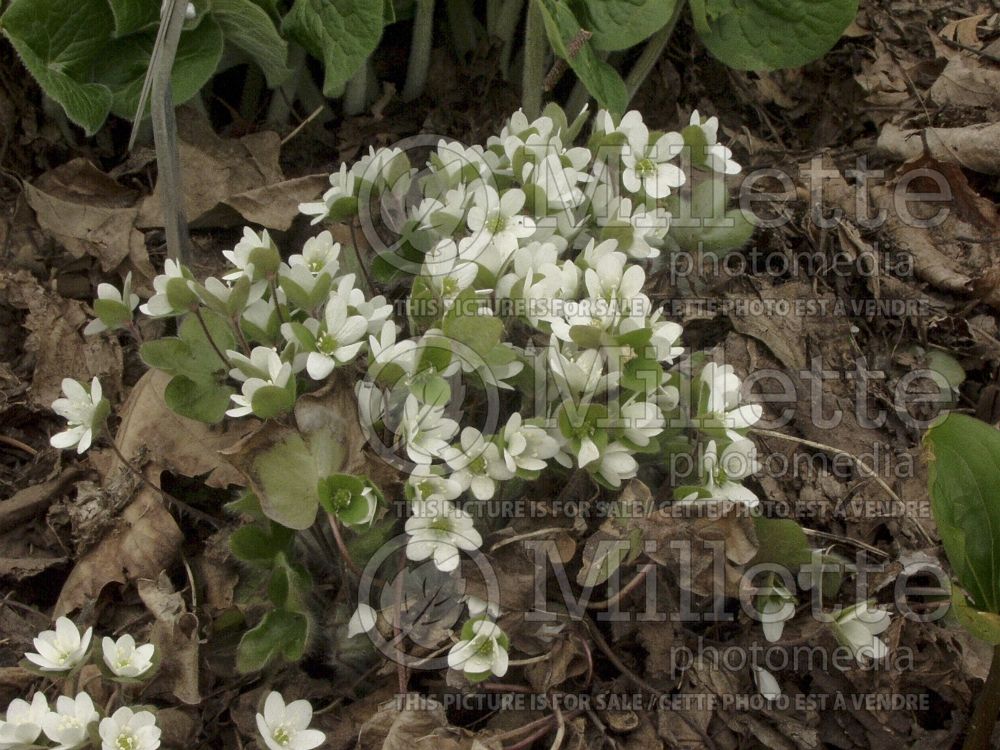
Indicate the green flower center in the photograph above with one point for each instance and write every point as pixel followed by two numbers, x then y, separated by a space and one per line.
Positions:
pixel 645 167
pixel 281 735
pixel 443 525
pixel 449 286
pixel 478 465
pixel 126 741
pixel 315 265
pixel 341 499
pixel 327 344
pixel 496 223
pixel 485 649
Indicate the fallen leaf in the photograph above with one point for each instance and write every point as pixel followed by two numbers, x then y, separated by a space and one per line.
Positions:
pixel 975 147
pixel 142 544
pixel 175 635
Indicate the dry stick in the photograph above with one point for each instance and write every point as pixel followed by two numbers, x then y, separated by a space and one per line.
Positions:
pixel 401 673
pixel 157 86
pixel 625 590
pixel 846 540
pixel 15 443
pixel 987 708
pixel 302 124
pixel 858 462
pixel 179 504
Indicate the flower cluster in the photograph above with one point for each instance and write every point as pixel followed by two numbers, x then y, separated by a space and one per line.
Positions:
pixel 75 722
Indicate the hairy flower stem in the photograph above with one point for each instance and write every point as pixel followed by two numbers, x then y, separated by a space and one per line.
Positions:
pixel 338 537
pixel 651 53
pixel 420 50
pixel 987 707
pixel 536 48
pixel 208 335
pixel 363 269
pixel 274 298
pixel 244 344
pixel 356 92
pixel 506 24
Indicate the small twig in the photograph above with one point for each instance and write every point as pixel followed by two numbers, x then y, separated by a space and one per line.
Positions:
pixel 560 723
pixel 15 443
pixel 845 540
pixel 301 125
pixel 987 707
pixel 633 584
pixel 857 462
pixel 401 672
pixel 965 47
pixel 179 504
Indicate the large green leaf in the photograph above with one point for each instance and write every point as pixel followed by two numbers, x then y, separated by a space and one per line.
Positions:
pixel 341 33
pixel 620 24
pixel 122 66
pixel 134 15
pixel 58 40
pixel 248 26
pixel 965 498
pixel 564 33
pixel 202 398
pixel 769 34
pixel 280 633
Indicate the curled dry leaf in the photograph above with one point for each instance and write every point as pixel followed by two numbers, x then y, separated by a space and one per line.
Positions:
pixel 175 635
pixel 141 545
pixel 89 213
pixel 975 147
pixel 56 340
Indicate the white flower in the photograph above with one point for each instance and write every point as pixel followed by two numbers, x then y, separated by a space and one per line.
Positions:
pixel 84 411
pixel 578 375
pixel 159 304
pixel 286 727
pixel 217 293
pixel 478 607
pixel 340 340
pixel 362 621
pixel 277 373
pixel 62 649
pixel 447 272
pixel 67 724
pixel 858 627
pixel 438 530
pixel 320 254
pixel 124 298
pixel 477 464
pixel 125 659
pixel 526 446
pixel 239 256
pixel 425 431
pixel 639 230
pixel 641 421
pixel 484 653
pixel 776 605
pixel 495 221
pixel 766 683
pixel 716 156
pixel 616 464
pixel 342 189
pixel 23 722
pixel 431 483
pixel 559 184
pixel 647 166
pixel 724 398
pixel 376 310
pixel 739 457
pixel 126 729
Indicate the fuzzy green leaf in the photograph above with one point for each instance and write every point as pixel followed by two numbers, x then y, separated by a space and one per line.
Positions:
pixel 620 24
pixel 203 398
pixel 134 15
pixel 280 633
pixel 248 26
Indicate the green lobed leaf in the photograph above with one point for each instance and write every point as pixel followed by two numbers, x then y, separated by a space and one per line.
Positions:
pixel 781 542
pixel 769 34
pixel 280 633
pixel 269 401
pixel 123 63
pixel 602 81
pixel 620 24
pixel 58 41
pixel 202 398
pixel 246 25
pixel 341 33
pixel 253 543
pixel 964 482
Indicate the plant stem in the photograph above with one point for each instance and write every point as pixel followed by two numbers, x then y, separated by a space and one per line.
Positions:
pixel 356 92
pixel 535 50
pixel 987 708
pixel 363 269
pixel 283 98
pixel 338 537
pixel 277 303
pixel 506 25
pixel 420 50
pixel 651 53
pixel 208 335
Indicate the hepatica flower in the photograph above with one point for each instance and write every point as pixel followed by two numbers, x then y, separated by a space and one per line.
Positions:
pixel 113 308
pixel 174 295
pixel 703 138
pixel 125 659
pixel 68 724
pixel 62 649
pixel 647 166
pixel 84 410
pixel 277 375
pixel 858 628
pixel 286 727
pixel 126 729
pixel 722 399
pixel 22 724
pixel 438 530
pixel 482 650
